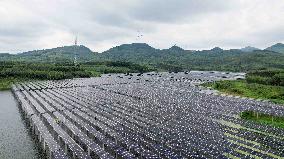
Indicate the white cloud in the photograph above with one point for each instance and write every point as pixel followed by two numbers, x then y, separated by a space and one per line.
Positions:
pixel 100 25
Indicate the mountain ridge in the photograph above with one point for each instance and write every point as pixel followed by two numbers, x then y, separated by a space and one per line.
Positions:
pixel 145 45
pixel 174 58
pixel 249 49
pixel 279 47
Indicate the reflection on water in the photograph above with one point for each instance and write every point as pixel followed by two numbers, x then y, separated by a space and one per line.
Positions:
pixel 15 140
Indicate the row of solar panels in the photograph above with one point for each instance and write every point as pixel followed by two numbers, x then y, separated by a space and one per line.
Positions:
pixel 38 107
pixel 134 120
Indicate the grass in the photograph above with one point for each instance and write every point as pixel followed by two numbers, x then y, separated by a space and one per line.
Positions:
pixel 275 121
pixel 251 90
pixel 5 83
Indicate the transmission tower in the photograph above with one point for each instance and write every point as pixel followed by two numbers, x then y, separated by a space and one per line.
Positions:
pixel 76 40
pixel 75 54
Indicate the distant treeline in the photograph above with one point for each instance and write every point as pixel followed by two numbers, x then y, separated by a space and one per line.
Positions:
pixel 11 72
pixel 41 71
pixel 173 59
pixel 176 59
pixel 267 77
pixel 56 71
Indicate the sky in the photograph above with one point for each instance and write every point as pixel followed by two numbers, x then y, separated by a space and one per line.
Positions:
pixel 102 24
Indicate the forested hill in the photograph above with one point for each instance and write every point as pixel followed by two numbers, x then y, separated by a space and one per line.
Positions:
pixel 279 47
pixel 54 55
pixel 249 49
pixel 172 59
pixel 176 59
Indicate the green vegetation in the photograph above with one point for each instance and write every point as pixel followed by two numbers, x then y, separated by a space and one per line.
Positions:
pixel 251 90
pixel 11 72
pixel 57 63
pixel 41 71
pixel 54 55
pixel 275 121
pixel 267 77
pixel 279 47
pixel 5 83
pixel 176 58
pixel 172 59
pixel 266 85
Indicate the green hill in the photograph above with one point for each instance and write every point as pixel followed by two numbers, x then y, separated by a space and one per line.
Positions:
pixel 172 59
pixel 55 55
pixel 249 49
pixel 279 47
pixel 177 59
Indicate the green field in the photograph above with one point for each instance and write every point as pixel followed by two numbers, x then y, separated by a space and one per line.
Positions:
pixel 266 85
pixel 263 118
pixel 251 90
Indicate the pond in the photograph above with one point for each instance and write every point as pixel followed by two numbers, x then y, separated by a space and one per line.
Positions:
pixel 15 140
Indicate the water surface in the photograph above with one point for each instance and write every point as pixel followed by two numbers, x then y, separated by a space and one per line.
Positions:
pixel 15 139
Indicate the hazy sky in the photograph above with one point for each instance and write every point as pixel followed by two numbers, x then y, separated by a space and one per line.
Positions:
pixel 101 24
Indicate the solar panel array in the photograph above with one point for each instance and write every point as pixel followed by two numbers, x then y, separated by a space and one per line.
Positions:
pixel 153 115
